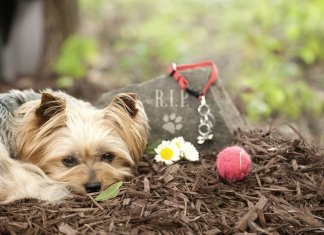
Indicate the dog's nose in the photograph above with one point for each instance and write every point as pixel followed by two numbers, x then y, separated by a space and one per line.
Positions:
pixel 92 187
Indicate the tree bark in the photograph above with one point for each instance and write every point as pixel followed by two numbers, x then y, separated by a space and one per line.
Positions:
pixel 61 20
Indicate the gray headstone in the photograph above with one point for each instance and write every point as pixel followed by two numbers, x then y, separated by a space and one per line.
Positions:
pixel 172 112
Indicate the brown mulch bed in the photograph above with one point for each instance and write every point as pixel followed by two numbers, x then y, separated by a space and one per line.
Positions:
pixel 284 194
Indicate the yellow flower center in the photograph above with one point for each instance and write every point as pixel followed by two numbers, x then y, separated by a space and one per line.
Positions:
pixel 166 153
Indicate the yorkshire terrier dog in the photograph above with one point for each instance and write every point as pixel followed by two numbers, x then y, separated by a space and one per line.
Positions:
pixel 52 143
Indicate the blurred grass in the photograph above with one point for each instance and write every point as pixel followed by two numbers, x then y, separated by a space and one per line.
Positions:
pixel 270 53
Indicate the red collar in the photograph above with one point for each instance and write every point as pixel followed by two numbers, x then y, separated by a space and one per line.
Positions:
pixel 174 71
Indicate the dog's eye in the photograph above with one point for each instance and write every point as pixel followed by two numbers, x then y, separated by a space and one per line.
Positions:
pixel 107 157
pixel 70 161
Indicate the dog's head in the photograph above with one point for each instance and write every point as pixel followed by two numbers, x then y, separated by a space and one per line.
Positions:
pixel 76 143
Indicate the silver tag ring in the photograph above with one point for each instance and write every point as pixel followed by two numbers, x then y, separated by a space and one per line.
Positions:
pixel 204 109
pixel 203 126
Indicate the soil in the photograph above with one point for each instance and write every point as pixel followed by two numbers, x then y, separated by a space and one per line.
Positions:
pixel 284 194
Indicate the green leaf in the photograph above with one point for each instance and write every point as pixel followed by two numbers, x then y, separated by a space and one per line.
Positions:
pixel 65 82
pixel 150 148
pixel 111 192
pixel 307 55
pixel 76 55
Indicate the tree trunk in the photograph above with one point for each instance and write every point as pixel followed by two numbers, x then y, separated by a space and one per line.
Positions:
pixel 61 20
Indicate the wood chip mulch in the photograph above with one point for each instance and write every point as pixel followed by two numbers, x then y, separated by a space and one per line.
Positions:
pixel 284 194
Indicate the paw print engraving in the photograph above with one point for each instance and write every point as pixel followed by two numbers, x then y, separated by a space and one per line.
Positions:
pixel 172 123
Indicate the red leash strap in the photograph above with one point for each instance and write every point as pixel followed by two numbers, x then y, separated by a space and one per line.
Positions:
pixel 174 71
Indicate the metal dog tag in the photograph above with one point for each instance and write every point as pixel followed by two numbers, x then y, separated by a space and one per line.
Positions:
pixel 207 120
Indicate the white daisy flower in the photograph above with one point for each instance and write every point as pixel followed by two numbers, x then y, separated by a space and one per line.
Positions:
pixel 178 141
pixel 189 152
pixel 167 152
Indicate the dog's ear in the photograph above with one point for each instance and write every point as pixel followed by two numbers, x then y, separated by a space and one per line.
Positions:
pixel 127 114
pixel 49 107
pixel 127 101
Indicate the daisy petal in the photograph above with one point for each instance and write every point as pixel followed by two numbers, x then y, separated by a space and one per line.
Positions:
pixel 189 152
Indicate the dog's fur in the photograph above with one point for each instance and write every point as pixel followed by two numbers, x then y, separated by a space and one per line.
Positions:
pixel 52 143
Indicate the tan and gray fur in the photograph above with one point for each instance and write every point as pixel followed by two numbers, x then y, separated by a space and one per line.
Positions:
pixel 52 143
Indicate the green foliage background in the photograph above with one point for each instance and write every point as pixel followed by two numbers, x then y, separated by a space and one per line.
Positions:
pixel 270 53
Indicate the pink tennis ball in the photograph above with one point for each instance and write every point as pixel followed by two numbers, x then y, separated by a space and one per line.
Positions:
pixel 233 164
